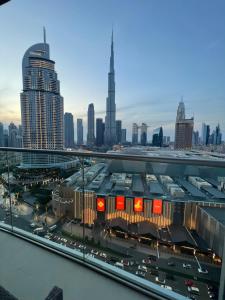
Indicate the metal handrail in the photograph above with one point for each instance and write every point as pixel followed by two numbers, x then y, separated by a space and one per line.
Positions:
pixel 220 163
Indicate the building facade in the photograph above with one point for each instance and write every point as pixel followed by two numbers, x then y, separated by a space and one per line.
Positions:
pixel 123 136
pixel 41 102
pixel 68 130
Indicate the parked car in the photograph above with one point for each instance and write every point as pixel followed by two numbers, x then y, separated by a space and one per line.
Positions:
pixel 187 266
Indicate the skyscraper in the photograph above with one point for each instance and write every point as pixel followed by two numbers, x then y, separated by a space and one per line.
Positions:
pixel 124 136
pixel 15 140
pixel 183 129
pixel 68 130
pixel 118 131
pixel 100 128
pixel 1 135
pixel 91 125
pixel 110 119
pixel 144 128
pixel 80 139
pixel 135 134
pixel 157 138
pixel 41 102
pixel 195 137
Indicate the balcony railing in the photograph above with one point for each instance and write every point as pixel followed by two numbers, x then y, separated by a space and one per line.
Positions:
pixel 155 223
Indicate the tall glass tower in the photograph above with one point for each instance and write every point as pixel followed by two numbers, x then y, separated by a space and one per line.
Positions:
pixel 41 102
pixel 110 119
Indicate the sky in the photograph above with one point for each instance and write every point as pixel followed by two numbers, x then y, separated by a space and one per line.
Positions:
pixel 163 50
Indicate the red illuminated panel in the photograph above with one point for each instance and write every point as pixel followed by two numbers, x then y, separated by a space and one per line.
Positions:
pixel 100 204
pixel 138 204
pixel 120 203
pixel 157 206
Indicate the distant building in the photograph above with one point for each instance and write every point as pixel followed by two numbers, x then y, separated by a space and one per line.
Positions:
pixel 218 135
pixel 195 138
pixel 135 134
pixel 14 139
pixel 6 138
pixel 124 136
pixel 143 134
pixel 1 135
pixel 68 130
pixel 118 131
pixel 41 102
pixel 157 138
pixel 100 128
pixel 183 129
pixel 80 139
pixel 166 140
pixel 91 125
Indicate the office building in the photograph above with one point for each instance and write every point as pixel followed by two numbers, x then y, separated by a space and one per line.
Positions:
pixel 91 125
pixel 195 138
pixel 124 136
pixel 144 128
pixel 100 128
pixel 68 130
pixel 157 137
pixel 1 135
pixel 135 134
pixel 41 102
pixel 80 139
pixel 183 129
pixel 166 140
pixel 110 119
pixel 118 131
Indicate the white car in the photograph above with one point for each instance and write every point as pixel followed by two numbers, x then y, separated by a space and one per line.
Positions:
pixel 202 271
pixel 187 266
pixel 142 268
pixel 166 287
pixel 160 280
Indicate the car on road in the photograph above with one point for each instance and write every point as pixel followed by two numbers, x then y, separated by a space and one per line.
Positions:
pixel 146 261
pixel 142 268
pixel 188 282
pixel 171 264
pixel 202 271
pixel 119 265
pixel 160 280
pixel 95 252
pixel 33 225
pixel 186 266
pixel 193 290
pixel 140 273
pixel 166 287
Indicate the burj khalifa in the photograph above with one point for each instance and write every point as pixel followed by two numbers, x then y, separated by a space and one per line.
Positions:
pixel 110 118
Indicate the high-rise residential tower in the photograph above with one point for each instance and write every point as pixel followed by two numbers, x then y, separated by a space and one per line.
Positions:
pixel 100 128
pixel 1 135
pixel 118 131
pixel 144 128
pixel 157 137
pixel 135 134
pixel 68 130
pixel 80 131
pixel 91 125
pixel 183 129
pixel 41 102
pixel 123 136
pixel 110 119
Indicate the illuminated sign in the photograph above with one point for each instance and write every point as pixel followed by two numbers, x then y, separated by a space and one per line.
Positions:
pixel 138 204
pixel 100 204
pixel 120 203
pixel 157 206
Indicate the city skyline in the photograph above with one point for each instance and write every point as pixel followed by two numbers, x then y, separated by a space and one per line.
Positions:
pixel 148 91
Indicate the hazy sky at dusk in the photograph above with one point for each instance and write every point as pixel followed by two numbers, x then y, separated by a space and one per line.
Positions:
pixel 163 50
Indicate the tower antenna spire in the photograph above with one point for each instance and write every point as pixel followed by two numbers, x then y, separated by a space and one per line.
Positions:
pixel 44 34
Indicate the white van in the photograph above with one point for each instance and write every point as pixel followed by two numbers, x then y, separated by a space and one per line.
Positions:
pixel 193 290
pixel 119 265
